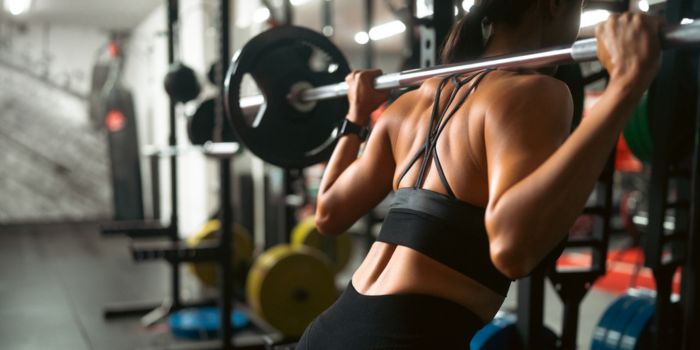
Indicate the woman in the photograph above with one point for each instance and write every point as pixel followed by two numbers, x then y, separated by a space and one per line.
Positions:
pixel 487 179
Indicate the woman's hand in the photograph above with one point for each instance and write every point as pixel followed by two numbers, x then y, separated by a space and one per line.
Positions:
pixel 629 48
pixel 362 95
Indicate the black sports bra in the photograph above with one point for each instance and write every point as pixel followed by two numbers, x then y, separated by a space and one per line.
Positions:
pixel 439 225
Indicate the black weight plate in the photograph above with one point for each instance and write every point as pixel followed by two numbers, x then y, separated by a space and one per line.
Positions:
pixel 200 126
pixel 181 83
pixel 277 60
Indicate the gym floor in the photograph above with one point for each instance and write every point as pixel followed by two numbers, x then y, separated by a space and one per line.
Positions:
pixel 56 279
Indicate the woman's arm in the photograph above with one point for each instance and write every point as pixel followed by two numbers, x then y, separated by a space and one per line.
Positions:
pixel 538 188
pixel 351 186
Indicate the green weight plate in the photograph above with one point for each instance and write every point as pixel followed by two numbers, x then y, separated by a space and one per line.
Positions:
pixel 631 141
pixel 645 138
pixel 636 132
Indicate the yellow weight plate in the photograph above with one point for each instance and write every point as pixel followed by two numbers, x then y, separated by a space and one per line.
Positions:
pixel 289 286
pixel 242 252
pixel 337 248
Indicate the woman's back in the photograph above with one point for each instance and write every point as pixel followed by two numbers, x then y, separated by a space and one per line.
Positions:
pixel 391 268
pixel 462 146
pixel 514 171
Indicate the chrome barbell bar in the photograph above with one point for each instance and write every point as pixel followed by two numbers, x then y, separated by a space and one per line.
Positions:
pixel 678 36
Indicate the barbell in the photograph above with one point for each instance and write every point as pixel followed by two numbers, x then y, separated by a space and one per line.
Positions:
pixel 293 123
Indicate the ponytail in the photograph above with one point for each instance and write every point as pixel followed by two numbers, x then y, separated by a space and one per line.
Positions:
pixel 466 39
pixel 470 35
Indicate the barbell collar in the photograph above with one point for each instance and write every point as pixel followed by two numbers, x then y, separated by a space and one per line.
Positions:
pixel 584 50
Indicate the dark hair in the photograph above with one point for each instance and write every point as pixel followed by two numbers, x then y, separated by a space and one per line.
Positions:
pixel 466 40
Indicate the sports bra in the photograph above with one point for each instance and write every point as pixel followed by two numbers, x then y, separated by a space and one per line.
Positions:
pixel 441 226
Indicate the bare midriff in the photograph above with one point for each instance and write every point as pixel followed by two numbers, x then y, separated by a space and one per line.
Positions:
pixel 393 269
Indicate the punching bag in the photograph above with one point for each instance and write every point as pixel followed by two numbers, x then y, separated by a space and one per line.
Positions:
pixel 120 125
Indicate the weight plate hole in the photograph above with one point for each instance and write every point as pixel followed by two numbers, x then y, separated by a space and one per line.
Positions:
pixel 300 295
pixel 320 61
pixel 250 88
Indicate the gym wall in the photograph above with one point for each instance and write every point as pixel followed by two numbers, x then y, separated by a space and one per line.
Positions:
pixel 145 67
pixel 54 164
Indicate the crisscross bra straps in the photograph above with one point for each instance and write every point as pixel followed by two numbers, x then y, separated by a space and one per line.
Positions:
pixel 438 120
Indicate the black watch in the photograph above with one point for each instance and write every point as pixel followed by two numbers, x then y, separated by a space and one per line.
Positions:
pixel 348 127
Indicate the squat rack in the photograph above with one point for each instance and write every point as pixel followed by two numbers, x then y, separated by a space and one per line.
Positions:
pixel 174 250
pixel 137 230
pixel 666 251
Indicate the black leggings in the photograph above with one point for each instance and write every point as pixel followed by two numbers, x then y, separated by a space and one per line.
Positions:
pixel 400 321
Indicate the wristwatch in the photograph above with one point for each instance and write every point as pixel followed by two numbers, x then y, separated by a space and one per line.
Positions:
pixel 348 127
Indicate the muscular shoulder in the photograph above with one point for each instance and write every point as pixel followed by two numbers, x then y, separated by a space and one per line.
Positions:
pixel 508 90
pixel 528 101
pixel 401 109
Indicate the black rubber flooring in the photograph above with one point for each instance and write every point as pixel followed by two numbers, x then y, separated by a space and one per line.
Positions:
pixel 55 281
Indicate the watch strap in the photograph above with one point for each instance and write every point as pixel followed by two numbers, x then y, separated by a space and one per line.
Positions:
pixel 349 127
